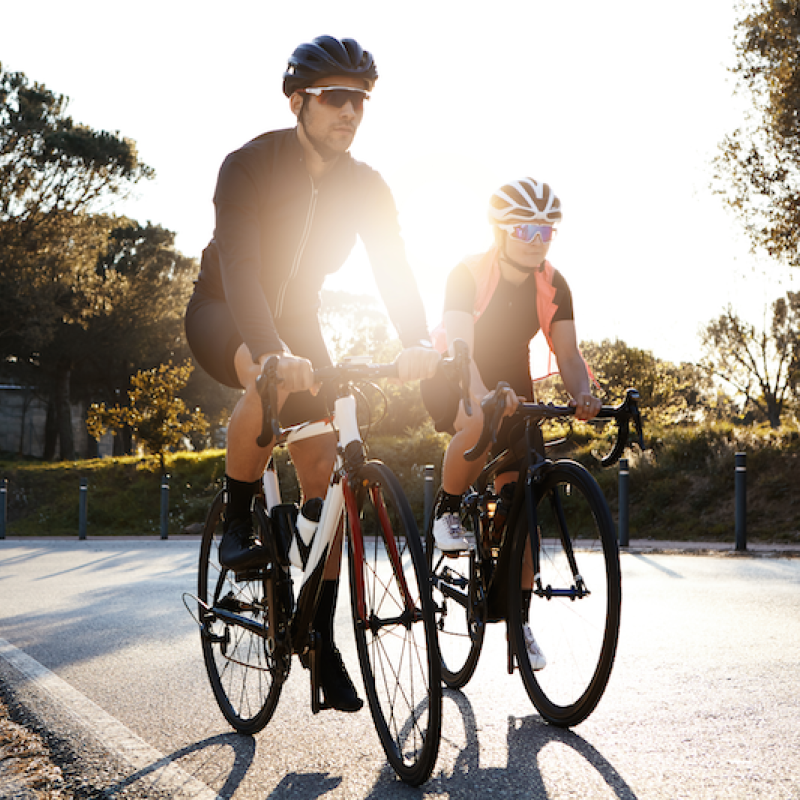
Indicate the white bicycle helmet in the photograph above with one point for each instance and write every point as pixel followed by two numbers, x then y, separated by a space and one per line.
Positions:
pixel 525 200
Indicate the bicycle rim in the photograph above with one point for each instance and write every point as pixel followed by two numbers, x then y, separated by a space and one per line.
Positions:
pixel 458 607
pixel 394 631
pixel 246 680
pixel 577 635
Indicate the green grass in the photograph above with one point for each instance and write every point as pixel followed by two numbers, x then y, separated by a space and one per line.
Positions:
pixel 681 489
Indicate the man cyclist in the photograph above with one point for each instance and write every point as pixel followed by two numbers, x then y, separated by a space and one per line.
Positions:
pixel 288 207
pixel 496 302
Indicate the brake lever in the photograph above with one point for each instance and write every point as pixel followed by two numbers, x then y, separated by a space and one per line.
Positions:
pixel 267 387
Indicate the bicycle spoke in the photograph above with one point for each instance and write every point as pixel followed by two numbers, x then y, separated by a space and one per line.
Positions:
pixel 246 680
pixel 575 607
pixel 396 638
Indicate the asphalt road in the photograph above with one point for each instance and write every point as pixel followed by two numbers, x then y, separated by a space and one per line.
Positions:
pixel 703 701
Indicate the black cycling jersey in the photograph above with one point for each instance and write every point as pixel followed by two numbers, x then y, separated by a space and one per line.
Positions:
pixel 504 331
pixel 279 232
pixel 502 337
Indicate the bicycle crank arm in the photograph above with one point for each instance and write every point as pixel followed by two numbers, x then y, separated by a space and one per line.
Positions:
pixel 243 622
pixel 450 591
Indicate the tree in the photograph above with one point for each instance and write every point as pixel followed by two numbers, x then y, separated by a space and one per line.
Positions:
pixel 54 176
pixel 761 365
pixel 758 169
pixel 155 413
pixel 673 391
pixel 356 325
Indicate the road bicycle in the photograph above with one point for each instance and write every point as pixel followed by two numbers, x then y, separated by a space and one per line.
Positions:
pixel 253 622
pixel 544 553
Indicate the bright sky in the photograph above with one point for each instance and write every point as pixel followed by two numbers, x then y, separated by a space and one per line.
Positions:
pixel 618 105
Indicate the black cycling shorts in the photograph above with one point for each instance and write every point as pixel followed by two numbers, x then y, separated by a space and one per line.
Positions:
pixel 214 339
pixel 441 398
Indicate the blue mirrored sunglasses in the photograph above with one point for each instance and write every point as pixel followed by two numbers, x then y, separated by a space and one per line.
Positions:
pixel 528 232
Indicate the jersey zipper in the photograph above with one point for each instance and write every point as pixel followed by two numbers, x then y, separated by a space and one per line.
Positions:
pixel 298 256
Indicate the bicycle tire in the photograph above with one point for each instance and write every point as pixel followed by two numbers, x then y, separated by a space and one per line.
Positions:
pixel 396 640
pixel 459 605
pixel 578 635
pixel 245 678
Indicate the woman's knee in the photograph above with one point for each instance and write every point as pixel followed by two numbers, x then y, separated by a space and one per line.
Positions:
pixel 470 426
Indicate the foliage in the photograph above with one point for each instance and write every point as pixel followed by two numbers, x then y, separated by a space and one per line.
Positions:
pixel 55 177
pixel 156 415
pixel 682 488
pixel 761 365
pixel 670 391
pixel 353 325
pixel 758 168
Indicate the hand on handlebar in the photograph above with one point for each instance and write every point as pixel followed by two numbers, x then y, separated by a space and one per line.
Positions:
pixel 503 400
pixel 586 406
pixel 295 373
pixel 417 363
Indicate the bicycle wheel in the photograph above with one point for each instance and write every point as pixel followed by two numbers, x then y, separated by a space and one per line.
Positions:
pixel 574 616
pixel 458 605
pixel 394 625
pixel 246 679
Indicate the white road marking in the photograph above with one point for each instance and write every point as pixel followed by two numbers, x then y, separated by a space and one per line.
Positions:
pixel 160 770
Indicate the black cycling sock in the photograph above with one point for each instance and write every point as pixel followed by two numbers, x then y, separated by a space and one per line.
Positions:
pixel 239 498
pixel 326 609
pixel 448 504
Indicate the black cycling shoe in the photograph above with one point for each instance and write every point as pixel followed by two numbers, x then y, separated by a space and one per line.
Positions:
pixel 337 689
pixel 239 548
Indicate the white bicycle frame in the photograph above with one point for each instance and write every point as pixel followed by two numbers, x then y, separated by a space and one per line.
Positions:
pixel 345 424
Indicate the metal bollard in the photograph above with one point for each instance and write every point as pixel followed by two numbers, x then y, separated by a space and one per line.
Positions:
pixel 164 505
pixel 83 505
pixel 624 479
pixel 741 501
pixel 428 497
pixel 3 507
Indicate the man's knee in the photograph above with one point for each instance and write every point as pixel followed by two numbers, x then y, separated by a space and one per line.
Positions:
pixel 247 370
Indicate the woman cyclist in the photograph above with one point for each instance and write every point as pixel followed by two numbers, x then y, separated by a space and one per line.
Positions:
pixel 497 302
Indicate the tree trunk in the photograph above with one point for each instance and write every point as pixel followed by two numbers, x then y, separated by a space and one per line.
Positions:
pixel 92 446
pixel 26 401
pixel 50 431
pixel 63 412
pixel 774 408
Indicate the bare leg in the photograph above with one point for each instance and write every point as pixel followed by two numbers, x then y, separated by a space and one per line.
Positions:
pixel 245 460
pixel 457 472
pixel 313 461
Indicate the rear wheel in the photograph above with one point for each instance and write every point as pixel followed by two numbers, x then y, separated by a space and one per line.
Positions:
pixel 458 605
pixel 244 666
pixel 575 609
pixel 394 625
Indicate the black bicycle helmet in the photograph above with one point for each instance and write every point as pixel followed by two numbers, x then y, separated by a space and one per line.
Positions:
pixel 328 56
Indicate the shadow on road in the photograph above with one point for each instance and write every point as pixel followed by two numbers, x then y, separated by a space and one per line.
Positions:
pixel 522 776
pixel 225 757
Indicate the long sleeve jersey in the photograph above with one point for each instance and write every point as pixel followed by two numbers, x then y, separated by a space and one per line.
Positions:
pixel 279 232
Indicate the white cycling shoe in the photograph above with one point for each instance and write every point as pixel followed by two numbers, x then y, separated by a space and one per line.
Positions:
pixel 448 533
pixel 535 654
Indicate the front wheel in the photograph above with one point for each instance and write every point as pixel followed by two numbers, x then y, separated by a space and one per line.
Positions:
pixel 575 605
pixel 394 625
pixel 245 671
